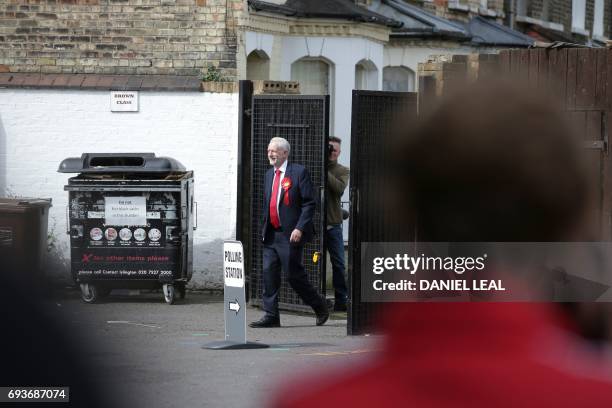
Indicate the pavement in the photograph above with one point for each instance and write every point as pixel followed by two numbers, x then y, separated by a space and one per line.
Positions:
pixel 145 353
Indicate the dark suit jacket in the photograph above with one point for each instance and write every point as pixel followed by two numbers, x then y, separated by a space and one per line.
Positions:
pixel 298 214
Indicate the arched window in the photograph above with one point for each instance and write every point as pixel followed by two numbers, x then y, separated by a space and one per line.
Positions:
pixel 398 79
pixel 313 76
pixel 366 75
pixel 258 65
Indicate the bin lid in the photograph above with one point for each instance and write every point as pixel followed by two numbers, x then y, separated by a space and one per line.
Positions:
pixel 120 163
pixel 22 204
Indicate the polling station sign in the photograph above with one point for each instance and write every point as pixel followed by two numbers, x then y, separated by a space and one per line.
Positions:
pixel 233 294
pixel 233 264
pixel 234 301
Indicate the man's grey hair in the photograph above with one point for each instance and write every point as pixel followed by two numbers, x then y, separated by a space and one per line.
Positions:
pixel 281 143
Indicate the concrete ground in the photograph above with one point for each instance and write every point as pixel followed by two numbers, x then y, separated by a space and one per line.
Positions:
pixel 149 354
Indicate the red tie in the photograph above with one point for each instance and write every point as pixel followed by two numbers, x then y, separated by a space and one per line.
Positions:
pixel 273 199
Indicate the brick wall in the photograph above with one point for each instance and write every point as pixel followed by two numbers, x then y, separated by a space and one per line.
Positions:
pixel 538 9
pixel 467 8
pixel 590 10
pixel 560 12
pixel 497 5
pixel 430 6
pixel 166 37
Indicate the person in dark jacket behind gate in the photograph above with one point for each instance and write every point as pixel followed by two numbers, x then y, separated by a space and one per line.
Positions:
pixel 479 170
pixel 337 180
pixel 289 205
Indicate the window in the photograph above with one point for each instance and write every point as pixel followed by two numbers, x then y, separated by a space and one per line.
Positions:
pixel 366 75
pixel 578 14
pixel 258 65
pixel 460 4
pixel 538 10
pixel 360 77
pixel 313 76
pixel 521 7
pixel 398 79
pixel 598 18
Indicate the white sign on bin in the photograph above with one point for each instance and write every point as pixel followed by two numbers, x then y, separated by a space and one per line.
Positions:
pixel 124 101
pixel 233 264
pixel 125 211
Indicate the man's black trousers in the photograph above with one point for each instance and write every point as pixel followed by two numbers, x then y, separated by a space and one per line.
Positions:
pixel 280 255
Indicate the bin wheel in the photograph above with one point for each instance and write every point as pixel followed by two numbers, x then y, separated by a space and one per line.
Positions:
pixel 169 295
pixel 103 292
pixel 89 293
pixel 181 290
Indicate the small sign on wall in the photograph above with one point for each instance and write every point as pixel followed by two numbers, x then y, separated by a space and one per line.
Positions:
pixel 124 101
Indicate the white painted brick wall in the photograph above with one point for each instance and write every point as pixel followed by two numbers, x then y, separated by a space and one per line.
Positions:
pixel 40 128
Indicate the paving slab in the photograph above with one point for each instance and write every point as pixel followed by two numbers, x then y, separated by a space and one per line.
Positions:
pixel 147 353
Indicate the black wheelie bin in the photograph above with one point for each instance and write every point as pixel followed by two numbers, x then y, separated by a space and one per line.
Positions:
pixel 131 218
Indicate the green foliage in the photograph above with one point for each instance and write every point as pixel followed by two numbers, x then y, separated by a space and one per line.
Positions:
pixel 212 75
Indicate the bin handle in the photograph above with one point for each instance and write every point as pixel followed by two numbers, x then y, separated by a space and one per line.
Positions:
pixel 68 220
pixel 195 226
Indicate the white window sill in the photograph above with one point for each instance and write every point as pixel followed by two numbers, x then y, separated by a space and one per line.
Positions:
pixel 483 11
pixel 458 7
pixel 546 24
pixel 600 38
pixel 580 31
pixel 487 12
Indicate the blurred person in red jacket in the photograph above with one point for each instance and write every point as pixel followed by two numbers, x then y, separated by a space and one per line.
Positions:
pixel 490 164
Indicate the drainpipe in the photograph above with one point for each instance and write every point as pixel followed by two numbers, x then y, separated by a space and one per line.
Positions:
pixel 510 7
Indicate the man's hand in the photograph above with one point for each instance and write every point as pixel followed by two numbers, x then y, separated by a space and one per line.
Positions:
pixel 296 236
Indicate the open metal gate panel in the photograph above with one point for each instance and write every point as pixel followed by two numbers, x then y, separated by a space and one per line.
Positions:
pixel 304 122
pixel 374 116
pixel 577 79
pixel 243 201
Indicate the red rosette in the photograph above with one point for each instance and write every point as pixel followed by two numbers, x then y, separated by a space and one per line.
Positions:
pixel 286 184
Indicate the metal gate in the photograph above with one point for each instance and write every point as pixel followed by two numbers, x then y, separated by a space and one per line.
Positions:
pixel 374 115
pixel 304 122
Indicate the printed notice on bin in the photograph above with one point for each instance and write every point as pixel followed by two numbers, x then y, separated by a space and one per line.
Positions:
pixel 130 211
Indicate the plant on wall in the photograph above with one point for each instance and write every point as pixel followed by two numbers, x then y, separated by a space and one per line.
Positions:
pixel 212 75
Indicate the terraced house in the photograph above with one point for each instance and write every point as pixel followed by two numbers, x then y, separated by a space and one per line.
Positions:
pixel 60 58
pixel 575 21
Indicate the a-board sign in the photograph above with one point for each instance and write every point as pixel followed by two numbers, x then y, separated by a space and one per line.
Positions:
pixel 234 296
pixel 234 301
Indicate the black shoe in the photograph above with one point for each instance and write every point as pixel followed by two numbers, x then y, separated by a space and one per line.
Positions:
pixel 322 314
pixel 266 321
pixel 340 307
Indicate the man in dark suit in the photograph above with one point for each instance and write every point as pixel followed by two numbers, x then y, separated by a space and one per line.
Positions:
pixel 287 226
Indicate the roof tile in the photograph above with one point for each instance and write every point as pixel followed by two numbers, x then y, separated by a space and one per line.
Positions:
pixel 101 82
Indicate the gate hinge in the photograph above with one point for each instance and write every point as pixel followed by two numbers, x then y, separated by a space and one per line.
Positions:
pixel 604 142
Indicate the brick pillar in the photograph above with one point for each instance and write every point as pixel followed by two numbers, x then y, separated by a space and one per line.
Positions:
pixel 483 66
pixel 448 72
